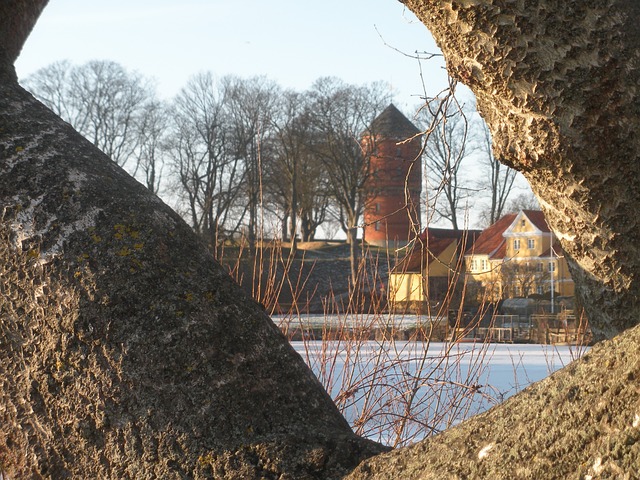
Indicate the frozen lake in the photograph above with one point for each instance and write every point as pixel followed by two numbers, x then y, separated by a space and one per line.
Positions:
pixel 398 392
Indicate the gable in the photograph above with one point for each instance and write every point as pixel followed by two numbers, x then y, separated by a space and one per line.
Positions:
pixel 528 222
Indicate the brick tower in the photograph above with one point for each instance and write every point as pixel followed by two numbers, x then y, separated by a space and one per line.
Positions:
pixel 392 217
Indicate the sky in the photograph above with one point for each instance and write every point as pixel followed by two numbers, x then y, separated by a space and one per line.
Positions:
pixel 293 42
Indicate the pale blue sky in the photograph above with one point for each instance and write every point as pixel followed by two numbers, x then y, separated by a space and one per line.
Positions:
pixel 290 41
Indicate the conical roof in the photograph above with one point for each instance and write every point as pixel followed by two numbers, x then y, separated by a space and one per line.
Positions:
pixel 391 123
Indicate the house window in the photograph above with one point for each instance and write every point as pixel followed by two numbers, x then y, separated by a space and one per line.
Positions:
pixel 377 226
pixel 540 289
pixel 474 265
pixel 517 290
pixel 484 265
pixel 552 266
pixel 523 223
pixel 377 208
pixel 516 244
pixel 531 243
pixel 540 267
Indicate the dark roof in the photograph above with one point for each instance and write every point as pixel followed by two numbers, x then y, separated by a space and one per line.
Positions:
pixel 430 245
pixel 491 239
pixel 392 123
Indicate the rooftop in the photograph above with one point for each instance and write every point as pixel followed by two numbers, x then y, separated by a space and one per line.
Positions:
pixel 392 123
pixel 491 239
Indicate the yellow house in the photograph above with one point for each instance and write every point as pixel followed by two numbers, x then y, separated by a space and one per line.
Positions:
pixel 431 269
pixel 519 256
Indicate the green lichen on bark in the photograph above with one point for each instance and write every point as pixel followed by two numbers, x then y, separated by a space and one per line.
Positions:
pixel 127 351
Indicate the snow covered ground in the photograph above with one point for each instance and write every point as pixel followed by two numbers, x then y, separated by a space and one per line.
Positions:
pixel 399 392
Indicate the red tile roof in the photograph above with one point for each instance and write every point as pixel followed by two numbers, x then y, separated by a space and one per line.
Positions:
pixel 491 242
pixel 491 239
pixel 500 252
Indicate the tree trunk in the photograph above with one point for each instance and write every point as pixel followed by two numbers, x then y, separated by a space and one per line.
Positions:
pixel 17 18
pixel 126 351
pixel 579 423
pixel 557 84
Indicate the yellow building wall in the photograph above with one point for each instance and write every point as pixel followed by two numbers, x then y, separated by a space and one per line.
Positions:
pixel 486 272
pixel 522 232
pixel 563 283
pixel 408 286
pixel 446 262
pixel 405 287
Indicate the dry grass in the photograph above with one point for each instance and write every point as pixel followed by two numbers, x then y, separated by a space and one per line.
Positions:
pixel 383 370
pixel 396 378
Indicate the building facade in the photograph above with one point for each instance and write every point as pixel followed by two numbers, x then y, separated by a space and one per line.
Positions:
pixel 431 272
pixel 518 256
pixel 394 182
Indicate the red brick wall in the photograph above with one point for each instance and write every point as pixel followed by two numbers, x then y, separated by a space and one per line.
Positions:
pixel 391 166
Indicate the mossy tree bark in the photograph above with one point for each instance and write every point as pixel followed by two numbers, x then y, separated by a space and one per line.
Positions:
pixel 125 350
pixel 557 83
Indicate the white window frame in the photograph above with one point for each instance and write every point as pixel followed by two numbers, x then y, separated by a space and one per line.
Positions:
pixel 531 243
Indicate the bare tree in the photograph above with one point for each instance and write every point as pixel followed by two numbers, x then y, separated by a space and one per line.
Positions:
pixel 209 176
pixel 520 278
pixel 446 148
pixel 250 104
pixel 50 85
pixel 314 199
pixel 291 145
pixel 152 125
pixel 499 181
pixel 101 99
pixel 296 177
pixel 523 201
pixel 341 113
